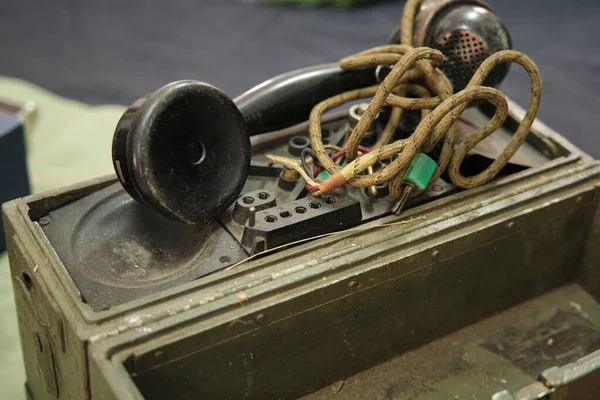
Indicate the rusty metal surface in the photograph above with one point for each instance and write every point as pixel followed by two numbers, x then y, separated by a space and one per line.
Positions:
pixel 576 381
pixel 579 380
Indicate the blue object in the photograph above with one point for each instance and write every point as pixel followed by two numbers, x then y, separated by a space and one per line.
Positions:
pixel 14 181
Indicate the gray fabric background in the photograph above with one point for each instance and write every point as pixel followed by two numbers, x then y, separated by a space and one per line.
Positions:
pixel 112 51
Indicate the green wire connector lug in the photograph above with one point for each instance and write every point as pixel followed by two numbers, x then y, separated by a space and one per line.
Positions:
pixel 323 175
pixel 420 171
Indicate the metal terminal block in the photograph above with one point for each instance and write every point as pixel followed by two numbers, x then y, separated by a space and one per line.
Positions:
pixel 298 220
pixel 258 199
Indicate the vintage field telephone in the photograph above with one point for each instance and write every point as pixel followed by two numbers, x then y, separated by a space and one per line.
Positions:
pixel 272 246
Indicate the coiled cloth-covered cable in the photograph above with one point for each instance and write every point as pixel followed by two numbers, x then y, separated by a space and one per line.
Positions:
pixel 415 73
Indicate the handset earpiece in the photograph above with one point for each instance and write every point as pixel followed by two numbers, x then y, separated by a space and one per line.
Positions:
pixel 466 32
pixel 183 150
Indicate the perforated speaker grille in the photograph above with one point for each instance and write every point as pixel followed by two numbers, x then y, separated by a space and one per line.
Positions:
pixel 464 51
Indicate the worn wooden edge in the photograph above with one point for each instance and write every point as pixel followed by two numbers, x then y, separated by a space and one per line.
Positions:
pixel 20 215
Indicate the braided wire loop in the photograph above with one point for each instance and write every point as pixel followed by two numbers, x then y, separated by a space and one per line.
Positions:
pixel 416 83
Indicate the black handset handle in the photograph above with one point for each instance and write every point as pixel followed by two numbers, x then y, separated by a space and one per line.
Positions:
pixel 287 99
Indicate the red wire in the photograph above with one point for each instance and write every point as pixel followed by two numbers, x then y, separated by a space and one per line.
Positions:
pixel 333 157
